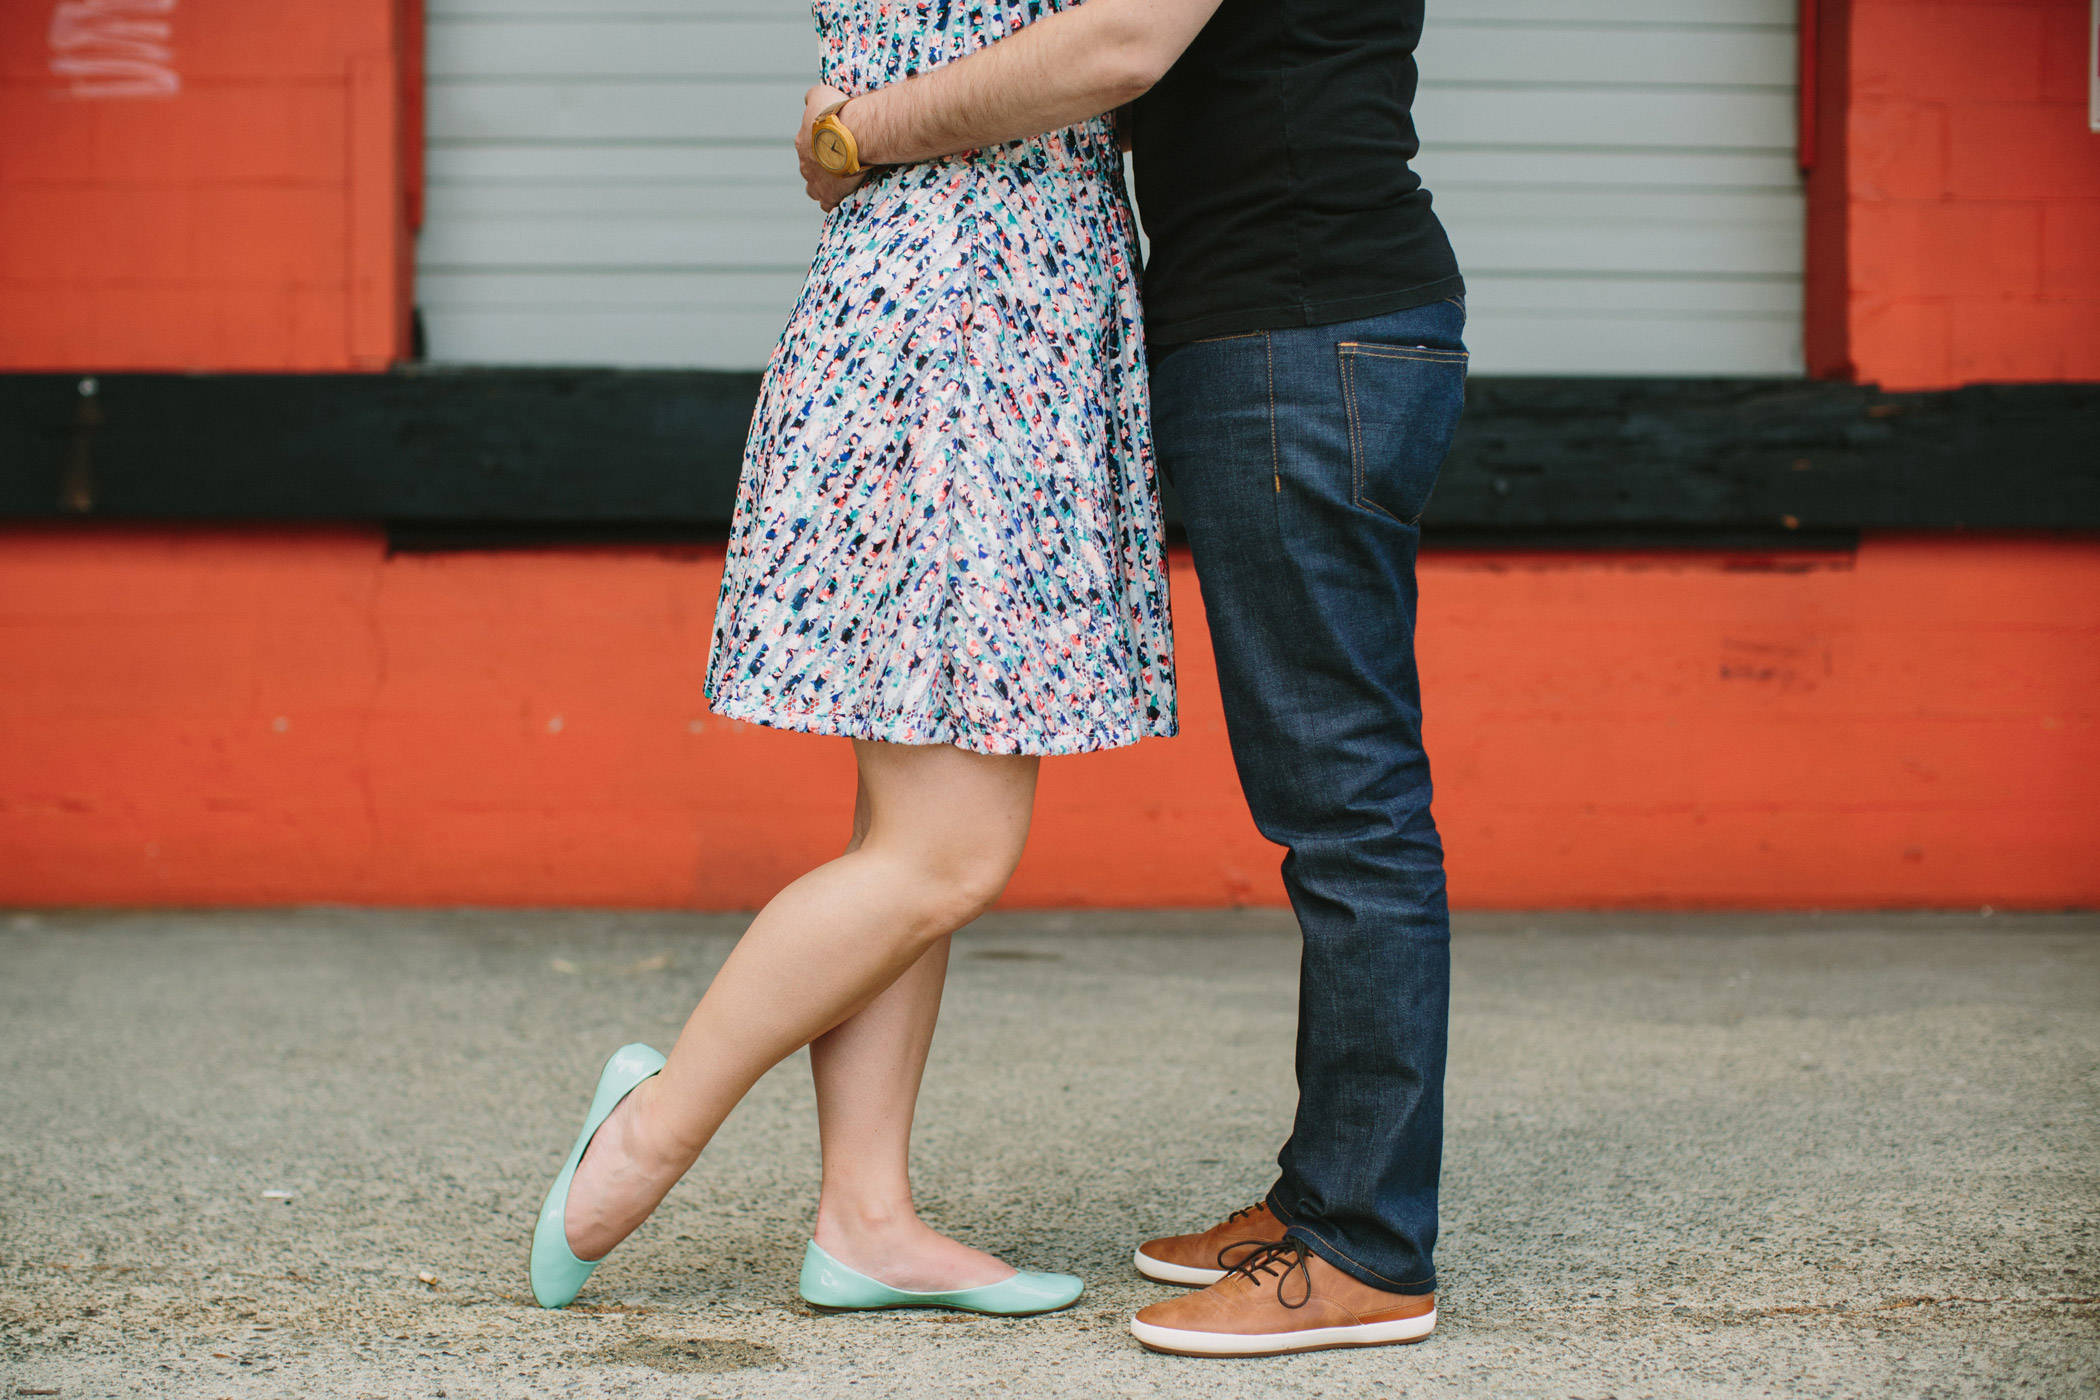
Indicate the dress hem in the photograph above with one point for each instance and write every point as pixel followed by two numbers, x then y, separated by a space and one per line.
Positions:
pixel 943 732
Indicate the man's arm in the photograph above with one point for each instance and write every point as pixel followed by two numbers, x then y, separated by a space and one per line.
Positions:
pixel 1060 70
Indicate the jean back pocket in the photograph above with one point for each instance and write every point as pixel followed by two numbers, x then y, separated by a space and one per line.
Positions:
pixel 1403 403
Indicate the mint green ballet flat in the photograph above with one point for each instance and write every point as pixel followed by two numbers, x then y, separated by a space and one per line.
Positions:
pixel 828 1284
pixel 557 1274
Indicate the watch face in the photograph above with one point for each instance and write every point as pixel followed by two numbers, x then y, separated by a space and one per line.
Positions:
pixel 831 151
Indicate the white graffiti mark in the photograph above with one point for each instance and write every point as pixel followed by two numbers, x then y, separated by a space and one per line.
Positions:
pixel 115 48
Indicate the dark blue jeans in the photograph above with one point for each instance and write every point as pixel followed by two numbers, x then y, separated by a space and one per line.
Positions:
pixel 1303 458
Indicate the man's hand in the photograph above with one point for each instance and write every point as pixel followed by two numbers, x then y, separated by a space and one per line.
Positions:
pixel 824 187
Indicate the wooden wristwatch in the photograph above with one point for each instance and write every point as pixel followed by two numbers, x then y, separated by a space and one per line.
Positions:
pixel 836 149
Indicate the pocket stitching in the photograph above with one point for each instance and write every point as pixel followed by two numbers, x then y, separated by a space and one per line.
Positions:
pixel 1356 456
pixel 1405 352
pixel 1435 358
pixel 1389 345
pixel 1275 451
pixel 1349 350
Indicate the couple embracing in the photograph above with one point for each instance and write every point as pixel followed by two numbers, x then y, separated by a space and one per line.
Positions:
pixel 948 549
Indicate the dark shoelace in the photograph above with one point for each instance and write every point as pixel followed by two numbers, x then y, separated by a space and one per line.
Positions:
pixel 1240 1244
pixel 1282 1259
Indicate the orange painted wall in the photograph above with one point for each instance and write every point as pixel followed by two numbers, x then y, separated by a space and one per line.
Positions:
pixel 228 188
pixel 220 717
pixel 1973 225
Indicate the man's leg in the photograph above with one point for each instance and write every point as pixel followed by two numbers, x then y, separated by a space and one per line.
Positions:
pixel 1302 458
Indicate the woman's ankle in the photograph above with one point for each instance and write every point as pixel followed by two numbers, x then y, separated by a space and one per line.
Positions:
pixel 649 1134
pixel 864 1218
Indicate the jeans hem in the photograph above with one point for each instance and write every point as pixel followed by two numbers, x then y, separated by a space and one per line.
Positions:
pixel 1362 1273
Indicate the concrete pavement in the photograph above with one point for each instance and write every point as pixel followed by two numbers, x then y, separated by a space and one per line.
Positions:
pixel 1726 1156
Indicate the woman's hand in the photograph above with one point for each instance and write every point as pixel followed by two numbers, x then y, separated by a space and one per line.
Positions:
pixel 824 187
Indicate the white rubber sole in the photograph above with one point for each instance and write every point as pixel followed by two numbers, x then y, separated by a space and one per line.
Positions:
pixel 1160 1271
pixel 1177 1342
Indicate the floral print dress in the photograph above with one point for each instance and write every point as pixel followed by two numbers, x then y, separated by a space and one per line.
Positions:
pixel 947 530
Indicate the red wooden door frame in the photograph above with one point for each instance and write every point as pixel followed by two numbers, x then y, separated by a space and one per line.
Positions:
pixel 1825 78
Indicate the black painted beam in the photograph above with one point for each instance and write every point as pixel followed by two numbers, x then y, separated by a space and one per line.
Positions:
pixel 630 454
pixel 507 445
pixel 1750 454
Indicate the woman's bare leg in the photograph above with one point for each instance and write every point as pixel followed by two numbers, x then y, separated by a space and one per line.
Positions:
pixel 945 829
pixel 867 1069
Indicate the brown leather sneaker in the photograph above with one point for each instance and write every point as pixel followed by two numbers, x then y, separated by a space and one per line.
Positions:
pixel 1283 1298
pixel 1203 1259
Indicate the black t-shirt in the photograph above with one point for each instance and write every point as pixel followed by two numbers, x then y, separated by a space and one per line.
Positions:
pixel 1272 173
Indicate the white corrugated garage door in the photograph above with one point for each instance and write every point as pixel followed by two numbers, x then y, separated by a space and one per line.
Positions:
pixel 1618 177
pixel 609 182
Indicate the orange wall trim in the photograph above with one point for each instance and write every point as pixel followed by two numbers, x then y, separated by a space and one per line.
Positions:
pixel 270 717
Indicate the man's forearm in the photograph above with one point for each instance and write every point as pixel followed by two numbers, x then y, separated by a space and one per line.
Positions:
pixel 1054 73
